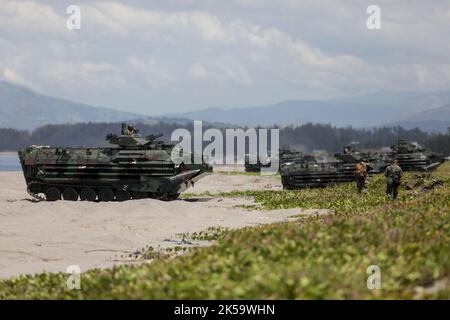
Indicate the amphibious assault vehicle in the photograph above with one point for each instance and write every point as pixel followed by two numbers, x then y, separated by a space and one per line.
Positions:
pixel 138 167
pixel 286 155
pixel 411 156
pixel 308 173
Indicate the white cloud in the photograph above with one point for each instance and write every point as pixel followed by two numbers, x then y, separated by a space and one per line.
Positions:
pixel 14 76
pixel 76 78
pixel 29 17
pixel 151 72
pixel 123 20
pixel 193 54
pixel 224 72
pixel 198 71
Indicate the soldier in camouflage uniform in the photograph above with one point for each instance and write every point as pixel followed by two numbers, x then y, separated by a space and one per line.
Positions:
pixel 393 174
pixel 128 129
pixel 348 149
pixel 362 176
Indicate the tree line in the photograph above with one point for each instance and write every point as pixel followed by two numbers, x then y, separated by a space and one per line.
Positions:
pixel 306 137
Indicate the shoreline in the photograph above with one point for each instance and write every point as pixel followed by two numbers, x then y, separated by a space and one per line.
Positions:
pixel 8 153
pixel 50 236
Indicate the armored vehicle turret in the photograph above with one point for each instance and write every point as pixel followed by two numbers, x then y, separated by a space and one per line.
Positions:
pixel 137 167
pixel 290 155
pixel 286 155
pixel 411 156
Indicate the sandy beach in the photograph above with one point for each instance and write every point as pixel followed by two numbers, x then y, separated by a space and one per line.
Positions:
pixel 50 236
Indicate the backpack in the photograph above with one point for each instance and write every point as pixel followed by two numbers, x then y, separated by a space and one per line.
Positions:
pixel 361 170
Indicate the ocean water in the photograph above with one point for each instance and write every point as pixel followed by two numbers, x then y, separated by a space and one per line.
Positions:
pixel 9 162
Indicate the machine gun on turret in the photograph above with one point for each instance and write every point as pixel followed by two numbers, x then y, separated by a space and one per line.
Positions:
pixel 131 139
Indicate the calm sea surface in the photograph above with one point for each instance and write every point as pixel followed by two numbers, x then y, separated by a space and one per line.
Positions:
pixel 9 162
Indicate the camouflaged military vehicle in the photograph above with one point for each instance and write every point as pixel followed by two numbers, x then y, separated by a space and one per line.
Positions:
pixel 305 173
pixel 138 167
pixel 286 155
pixel 411 156
pixel 308 173
pixel 290 155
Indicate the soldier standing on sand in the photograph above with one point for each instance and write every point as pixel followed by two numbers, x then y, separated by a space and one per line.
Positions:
pixel 361 176
pixel 393 175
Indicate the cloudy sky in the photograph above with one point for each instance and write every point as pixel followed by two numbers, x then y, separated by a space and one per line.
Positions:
pixel 160 56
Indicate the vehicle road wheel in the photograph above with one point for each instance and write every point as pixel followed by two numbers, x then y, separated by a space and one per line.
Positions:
pixel 169 197
pixel 122 195
pixel 52 194
pixel 173 196
pixel 70 194
pixel 139 195
pixel 87 194
pixel 163 196
pixel 106 195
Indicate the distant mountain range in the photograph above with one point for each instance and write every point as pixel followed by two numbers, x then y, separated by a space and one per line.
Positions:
pixel 22 108
pixel 431 120
pixel 429 111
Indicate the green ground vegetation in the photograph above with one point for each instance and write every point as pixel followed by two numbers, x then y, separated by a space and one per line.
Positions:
pixel 317 257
